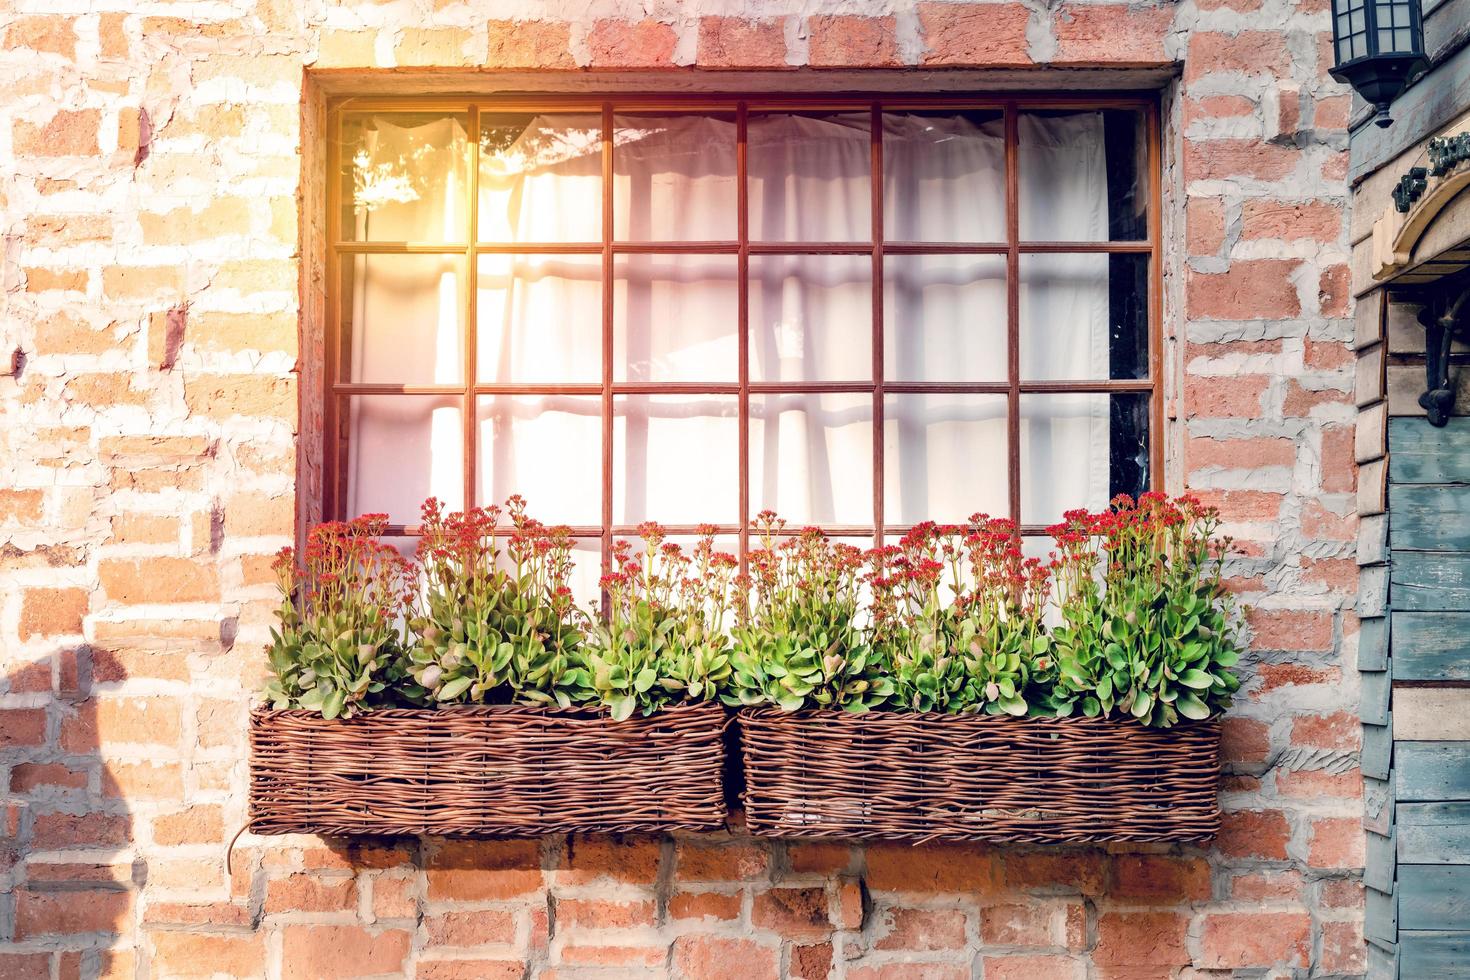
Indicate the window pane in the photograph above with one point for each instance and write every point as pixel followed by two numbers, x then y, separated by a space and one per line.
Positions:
pixel 809 177
pixel 586 571
pixel 1081 450
pixel 1084 317
pixel 674 178
pixel 944 176
pixel 540 178
pixel 676 459
pixel 811 457
pixel 944 318
pixel 676 318
pixel 540 319
pixel 1082 176
pixel 548 449
pixel 400 450
pixel 405 177
pixel 404 317
pixel 944 457
pixel 811 318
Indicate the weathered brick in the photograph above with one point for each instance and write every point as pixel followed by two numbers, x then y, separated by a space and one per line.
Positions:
pixel 735 42
pixel 619 44
pixel 852 41
pixel 974 34
pixel 1255 939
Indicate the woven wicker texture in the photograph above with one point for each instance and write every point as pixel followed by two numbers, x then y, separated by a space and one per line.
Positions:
pixel 913 777
pixel 486 771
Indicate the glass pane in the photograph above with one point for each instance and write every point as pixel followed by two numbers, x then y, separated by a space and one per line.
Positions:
pixel 586 571
pixel 402 449
pixel 1081 450
pixel 1084 317
pixel 540 178
pixel 944 457
pixel 540 319
pixel 676 318
pixel 809 177
pixel 944 176
pixel 811 318
pixel 548 449
pixel 676 459
pixel 811 457
pixel 944 317
pixel 405 177
pixel 674 178
pixel 404 315
pixel 1083 176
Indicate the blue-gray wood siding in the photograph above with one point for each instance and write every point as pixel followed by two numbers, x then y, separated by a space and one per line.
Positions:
pixel 1418 854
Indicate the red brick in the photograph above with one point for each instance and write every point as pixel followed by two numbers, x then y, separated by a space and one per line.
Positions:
pixel 394 898
pixel 201 824
pixel 924 929
pixel 1074 871
pixel 974 34
pixel 1339 473
pixel 851 41
pixel 735 42
pixel 590 858
pixel 1332 113
pixel 1318 784
pixel 68 133
pixel 222 396
pixel 1141 939
pixel 1339 730
pixel 1336 842
pixel 725 862
pixel 589 913
pixel 310 893
pixel 1318 221
pixel 23 506
pixel 1228 159
pixel 29 966
pixel 1249 53
pixel 471 969
pixel 811 962
pixel 484 870
pixel 183 954
pixel 1249 289
pixel 935 868
pixel 1160 878
pixel 324 952
pixel 1034 967
pixel 1244 740
pixel 1254 833
pixel 1030 924
pixel 1236 396
pixel 1289 629
pixel 700 905
pixel 58 831
pixel 1240 454
pixel 1113 35
pixel 1275 676
pixel 22 727
pixel 1343 952
pixel 792 911
pixel 909 971
pixel 1334 291
pixel 71 913
pixel 620 44
pixel 474 928
pixel 138 720
pixel 158 580
pixel 27 777
pixel 1217 107
pixel 819 857
pixel 717 958
pixel 1233 940
pixel 537 44
pixel 1264 886
pixel 1204 219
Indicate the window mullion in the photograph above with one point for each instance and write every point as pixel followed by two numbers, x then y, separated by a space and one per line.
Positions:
pixel 875 178
pixel 607 334
pixel 471 323
pixel 1013 314
pixel 742 198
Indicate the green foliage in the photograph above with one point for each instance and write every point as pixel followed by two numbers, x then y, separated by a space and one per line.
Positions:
pixel 663 639
pixel 800 644
pixel 491 632
pixel 338 649
pixel 1146 624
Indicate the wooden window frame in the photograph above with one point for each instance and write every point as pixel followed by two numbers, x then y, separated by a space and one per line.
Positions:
pixel 337 391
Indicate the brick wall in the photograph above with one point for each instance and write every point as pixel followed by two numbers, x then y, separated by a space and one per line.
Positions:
pixel 152 203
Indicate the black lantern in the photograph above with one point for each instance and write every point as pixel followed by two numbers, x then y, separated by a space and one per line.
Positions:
pixel 1380 44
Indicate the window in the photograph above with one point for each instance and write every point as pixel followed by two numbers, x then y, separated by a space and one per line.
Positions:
pixel 862 314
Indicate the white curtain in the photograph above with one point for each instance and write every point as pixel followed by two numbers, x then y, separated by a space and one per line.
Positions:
pixel 676 456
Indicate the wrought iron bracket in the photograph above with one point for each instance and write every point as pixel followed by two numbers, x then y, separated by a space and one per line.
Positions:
pixel 1442 319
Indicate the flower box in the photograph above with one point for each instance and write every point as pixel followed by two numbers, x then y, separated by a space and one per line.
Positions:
pixel 908 776
pixel 503 770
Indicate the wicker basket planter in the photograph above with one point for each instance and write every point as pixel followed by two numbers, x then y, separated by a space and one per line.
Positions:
pixel 509 771
pixel 916 777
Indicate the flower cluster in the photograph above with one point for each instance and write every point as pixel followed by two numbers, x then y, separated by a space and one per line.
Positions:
pixel 338 649
pixel 1127 616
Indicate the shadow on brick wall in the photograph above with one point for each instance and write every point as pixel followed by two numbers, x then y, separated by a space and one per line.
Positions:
pixel 70 872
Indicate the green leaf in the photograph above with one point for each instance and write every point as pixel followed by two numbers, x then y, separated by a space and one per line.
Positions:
pixel 1192 707
pixel 454 688
pixel 1196 679
pixel 622 709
